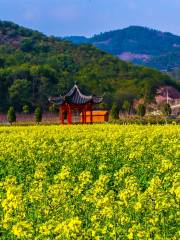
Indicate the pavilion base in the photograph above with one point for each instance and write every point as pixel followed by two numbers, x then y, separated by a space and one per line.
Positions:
pixel 71 113
pixel 83 117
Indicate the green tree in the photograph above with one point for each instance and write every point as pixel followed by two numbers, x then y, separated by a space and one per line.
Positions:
pixel 115 111
pixel 141 110
pixel 20 93
pixel 126 106
pixel 38 115
pixel 102 106
pixel 27 45
pixel 166 110
pixel 148 91
pixel 2 63
pixel 26 109
pixel 11 115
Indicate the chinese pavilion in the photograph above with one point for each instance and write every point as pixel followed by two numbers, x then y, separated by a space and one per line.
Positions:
pixel 74 106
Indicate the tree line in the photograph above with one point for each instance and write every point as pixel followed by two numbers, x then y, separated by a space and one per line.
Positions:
pixel 114 113
pixel 141 110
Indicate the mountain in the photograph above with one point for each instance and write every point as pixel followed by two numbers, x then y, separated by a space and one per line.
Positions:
pixel 175 73
pixel 77 39
pixel 34 67
pixel 140 45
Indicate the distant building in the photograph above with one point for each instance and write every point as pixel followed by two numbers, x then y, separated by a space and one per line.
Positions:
pixel 167 94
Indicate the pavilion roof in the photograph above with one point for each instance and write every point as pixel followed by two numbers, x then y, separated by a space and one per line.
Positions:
pixel 74 96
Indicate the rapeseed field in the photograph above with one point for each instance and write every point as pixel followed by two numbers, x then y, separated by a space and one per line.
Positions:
pixel 89 182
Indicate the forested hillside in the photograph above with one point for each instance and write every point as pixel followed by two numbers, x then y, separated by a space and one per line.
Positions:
pixel 139 45
pixel 175 73
pixel 34 67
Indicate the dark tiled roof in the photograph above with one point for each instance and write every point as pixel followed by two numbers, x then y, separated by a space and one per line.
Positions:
pixel 74 96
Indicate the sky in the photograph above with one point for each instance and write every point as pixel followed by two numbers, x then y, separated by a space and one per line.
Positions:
pixel 89 17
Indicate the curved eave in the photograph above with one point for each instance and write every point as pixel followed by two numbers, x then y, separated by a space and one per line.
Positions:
pixel 56 100
pixel 97 100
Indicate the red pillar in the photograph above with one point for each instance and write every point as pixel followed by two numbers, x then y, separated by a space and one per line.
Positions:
pixel 69 115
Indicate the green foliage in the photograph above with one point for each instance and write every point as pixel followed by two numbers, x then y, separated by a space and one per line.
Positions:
pixel 141 110
pixel 11 115
pixel 146 120
pixel 2 63
pixel 27 45
pixel 26 109
pixel 115 111
pixel 167 110
pixel 52 108
pixel 126 106
pixel 34 67
pixel 38 115
pixel 175 73
pixel 102 106
pixel 149 91
pixel 20 93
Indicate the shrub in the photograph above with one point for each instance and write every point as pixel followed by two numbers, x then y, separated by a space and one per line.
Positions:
pixel 115 111
pixel 38 115
pixel 126 106
pixel 141 110
pixel 26 109
pixel 166 110
pixel 11 115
